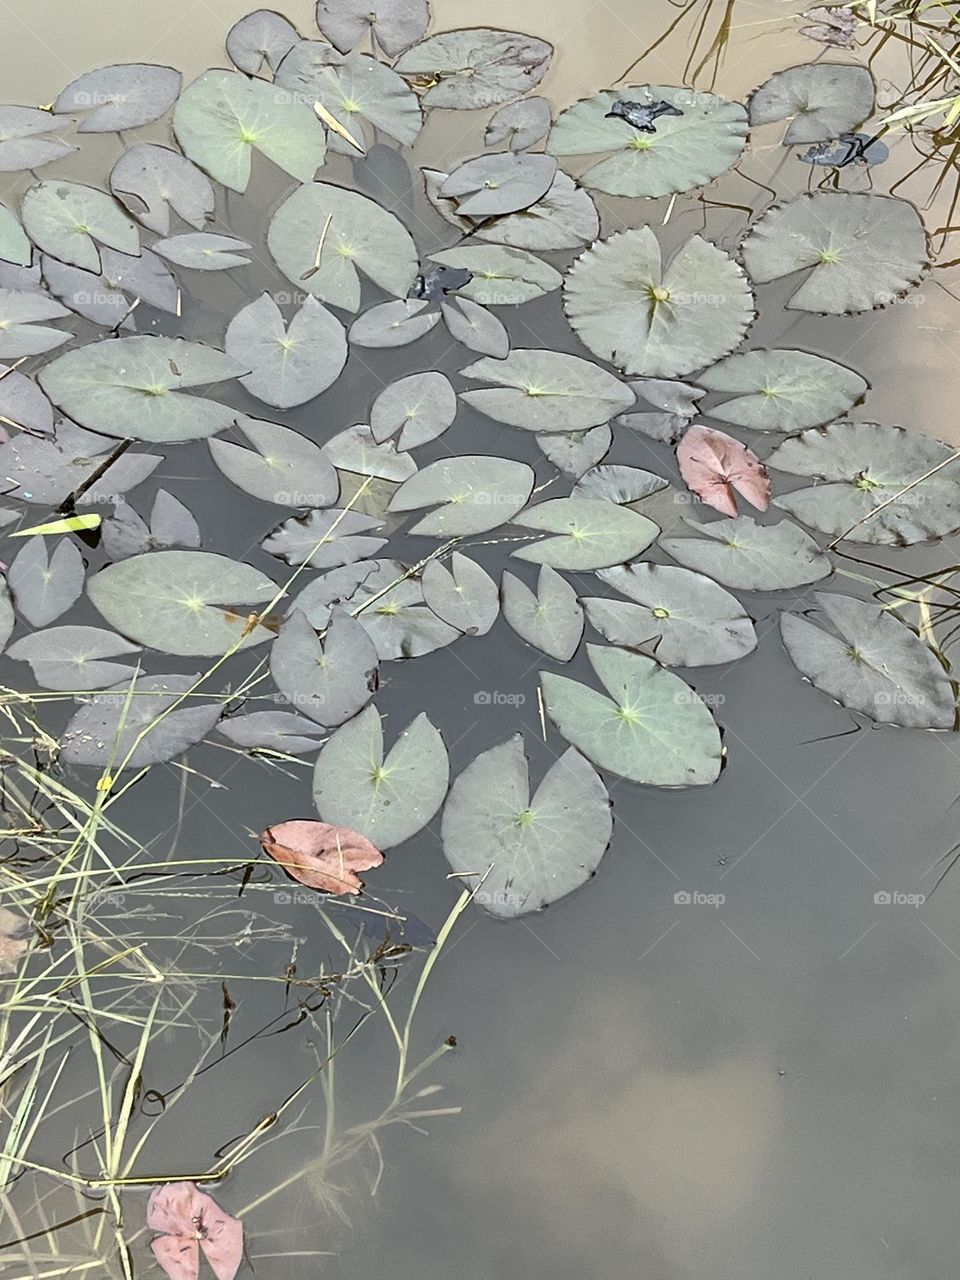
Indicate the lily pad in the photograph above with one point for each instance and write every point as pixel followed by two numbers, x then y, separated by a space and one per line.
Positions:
pixel 171 525
pixel 356 450
pixel 87 294
pixel 473 495
pixel 14 245
pixel 678 150
pixel 359 235
pixel 394 24
pixel 182 602
pixel 675 403
pixel 782 390
pixel 564 218
pixel 124 96
pixel 865 250
pixel 44 586
pixel 575 452
pixel 538 848
pixel 550 619
pixel 389 799
pixel 328 680
pixel 203 251
pixel 22 144
pixel 653 728
pixel 617 483
pixel 325 539
pixel 504 182
pixel 591 533
pixel 475 67
pixel 543 390
pixel 282 731
pixel 657 320
pixel 289 364
pixel 751 557
pixel 519 124
pixel 475 327
pixel 393 324
pixel 390 608
pixel 223 116
pixel 47 471
pixel 874 663
pixel 135 386
pixel 502 276
pixel 150 181
pixel 420 407
pixel 362 94
pixel 20 335
pixel 70 221
pixel 263 36
pixel 107 729
pixel 283 467
pixel 683 618
pixel 22 403
pixel 463 595
pixel 859 467
pixel 820 99
pixel 74 657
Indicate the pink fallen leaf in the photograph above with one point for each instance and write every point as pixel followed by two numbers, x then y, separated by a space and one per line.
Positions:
pixel 191 1220
pixel 320 855
pixel 714 464
pixel 12 942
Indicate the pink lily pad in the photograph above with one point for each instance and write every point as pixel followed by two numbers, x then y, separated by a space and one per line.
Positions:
pixel 191 1220
pixel 716 467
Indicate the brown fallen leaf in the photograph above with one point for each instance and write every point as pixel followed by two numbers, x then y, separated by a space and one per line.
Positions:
pixel 320 855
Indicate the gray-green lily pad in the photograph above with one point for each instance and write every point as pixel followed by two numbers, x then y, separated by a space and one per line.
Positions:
pixel 858 467
pixel 683 618
pixel 44 586
pixel 475 67
pixel 289 364
pixel 564 218
pixel 70 221
pixel 393 324
pixel 66 658
pixel 282 731
pixel 283 467
pixel 473 495
pixel 171 525
pixel 394 24
pixel 389 606
pixel 108 729
pixel 653 728
pixel 575 452
pixel 362 94
pixel 23 404
pixel 203 251
pixel 123 96
pixel 463 595
pixel 359 235
pixel 150 181
pixel 190 603
pixel 47 471
pixel 329 680
pixel 420 407
pixel 135 387
pixel 85 293
pixel 550 619
pixel 674 404
pixel 547 391
pixel 502 276
pixel 590 533
pixel 505 182
pixel 865 251
pixel 20 334
pixel 654 319
pixel 751 557
pixel 263 36
pixel 820 99
pixel 874 663
pixel 618 483
pixel 475 327
pixel 537 848
pixel 388 799
pixel 782 390
pixel 223 117
pixel 22 144
pixel 356 450
pixel 519 124
pixel 700 138
pixel 14 244
pixel 325 539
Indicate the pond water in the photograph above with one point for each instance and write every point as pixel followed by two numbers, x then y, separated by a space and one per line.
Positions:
pixel 733 1052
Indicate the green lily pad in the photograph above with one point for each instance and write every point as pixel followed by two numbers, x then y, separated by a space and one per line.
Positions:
pixel 329 680
pixel 420 407
pixel 74 657
pixel 14 245
pixel 135 387
pixel 20 335
pixel 69 221
pixel 676 153
pixel 858 468
pixel 653 728
pixel 475 67
pixel 289 364
pixel 821 100
pixel 182 602
pixel 592 533
pixel 543 391
pixel 502 276
pixel 150 181
pixel 44 586
pixel 782 390
pixel 124 96
pixel 550 619
pixel 283 466
pixel 874 663
pixel 575 452
pixel 751 557
pixel 359 235
pixel 463 595
pixel 538 849
pixel 657 320
pixel 390 799
pixel 473 494
pixel 865 251
pixel 224 116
